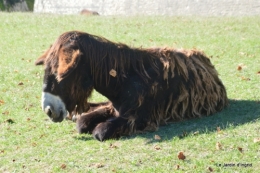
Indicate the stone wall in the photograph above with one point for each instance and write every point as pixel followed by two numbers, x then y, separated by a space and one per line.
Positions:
pixel 152 7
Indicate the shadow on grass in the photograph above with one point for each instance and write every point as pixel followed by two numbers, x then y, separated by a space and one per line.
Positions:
pixel 83 137
pixel 237 113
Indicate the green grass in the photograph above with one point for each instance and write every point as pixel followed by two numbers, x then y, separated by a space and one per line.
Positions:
pixel 29 142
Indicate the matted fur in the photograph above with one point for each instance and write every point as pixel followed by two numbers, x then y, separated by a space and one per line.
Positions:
pixel 150 86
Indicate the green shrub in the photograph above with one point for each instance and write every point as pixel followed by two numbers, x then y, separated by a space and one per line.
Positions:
pixel 2 7
pixel 30 4
pixel 10 3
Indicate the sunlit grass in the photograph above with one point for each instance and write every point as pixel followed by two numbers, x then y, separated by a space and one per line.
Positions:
pixel 29 142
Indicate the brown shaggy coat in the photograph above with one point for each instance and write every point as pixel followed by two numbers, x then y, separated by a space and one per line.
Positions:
pixel 147 87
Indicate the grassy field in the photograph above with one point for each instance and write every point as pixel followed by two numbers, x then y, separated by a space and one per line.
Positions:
pixel 29 142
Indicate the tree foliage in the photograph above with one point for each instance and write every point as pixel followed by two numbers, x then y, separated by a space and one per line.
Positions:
pixel 6 4
pixel 12 2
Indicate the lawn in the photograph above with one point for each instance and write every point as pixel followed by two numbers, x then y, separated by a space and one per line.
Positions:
pixel 225 142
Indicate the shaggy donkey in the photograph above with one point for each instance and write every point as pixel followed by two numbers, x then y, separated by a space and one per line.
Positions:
pixel 146 87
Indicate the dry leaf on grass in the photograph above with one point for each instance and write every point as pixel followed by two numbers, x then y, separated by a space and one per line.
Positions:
pixel 113 146
pixel 177 167
pixel 210 169
pixel 240 149
pixel 181 156
pixel 96 165
pixel 218 146
pixel 157 147
pixel 5 113
pixel 1 102
pixel 157 137
pixel 63 166
pixel 245 78
pixel 239 67
pixel 256 140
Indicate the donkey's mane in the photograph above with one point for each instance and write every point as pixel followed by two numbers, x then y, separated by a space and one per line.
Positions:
pixel 104 55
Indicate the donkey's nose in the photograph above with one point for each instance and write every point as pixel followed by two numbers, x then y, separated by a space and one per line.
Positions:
pixel 48 111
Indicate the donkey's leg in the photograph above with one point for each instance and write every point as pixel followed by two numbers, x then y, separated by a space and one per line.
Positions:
pixel 88 121
pixel 89 107
pixel 111 129
pixel 126 124
pixel 93 106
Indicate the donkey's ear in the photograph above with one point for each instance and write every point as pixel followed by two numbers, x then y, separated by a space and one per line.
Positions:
pixel 41 59
pixel 68 61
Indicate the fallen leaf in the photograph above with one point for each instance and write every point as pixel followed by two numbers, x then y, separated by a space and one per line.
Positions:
pixel 181 156
pixel 177 167
pixel 240 149
pixel 245 78
pixel 42 135
pixel 218 146
pixel 210 169
pixel 157 147
pixel 112 73
pixel 239 67
pixel 96 165
pixel 157 137
pixel 1 102
pixel 256 140
pixel 113 146
pixel 37 160
pixel 5 113
pixel 63 166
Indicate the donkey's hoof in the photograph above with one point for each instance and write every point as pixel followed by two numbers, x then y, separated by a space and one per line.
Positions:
pixel 105 131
